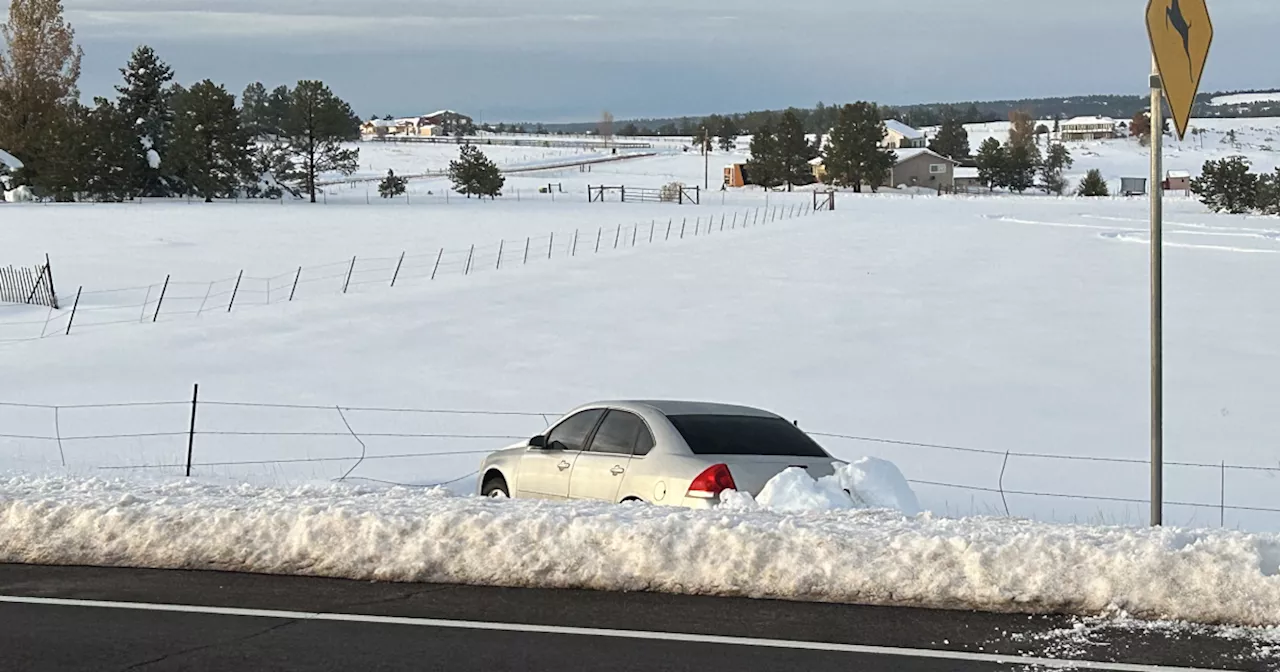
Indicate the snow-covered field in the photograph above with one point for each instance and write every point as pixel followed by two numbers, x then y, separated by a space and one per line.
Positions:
pixel 980 344
pixel 865 557
pixel 1246 98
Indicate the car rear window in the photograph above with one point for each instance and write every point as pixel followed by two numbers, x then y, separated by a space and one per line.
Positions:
pixel 744 435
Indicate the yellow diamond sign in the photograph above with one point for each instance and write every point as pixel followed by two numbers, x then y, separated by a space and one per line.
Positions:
pixel 1181 33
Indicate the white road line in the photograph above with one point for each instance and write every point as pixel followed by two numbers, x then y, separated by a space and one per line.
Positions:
pixel 600 632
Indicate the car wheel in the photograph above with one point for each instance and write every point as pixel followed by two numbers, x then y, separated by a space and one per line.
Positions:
pixel 496 488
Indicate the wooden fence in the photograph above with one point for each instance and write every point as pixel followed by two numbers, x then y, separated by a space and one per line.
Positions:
pixel 28 284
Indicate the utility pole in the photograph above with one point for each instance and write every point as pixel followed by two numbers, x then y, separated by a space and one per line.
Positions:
pixel 1157 297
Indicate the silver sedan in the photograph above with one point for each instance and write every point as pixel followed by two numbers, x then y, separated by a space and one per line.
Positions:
pixel 663 452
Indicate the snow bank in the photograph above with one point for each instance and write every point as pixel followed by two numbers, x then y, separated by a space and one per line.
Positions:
pixel 21 194
pixel 869 483
pixel 865 557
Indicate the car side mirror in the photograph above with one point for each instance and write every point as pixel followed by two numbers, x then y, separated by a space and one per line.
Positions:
pixel 538 442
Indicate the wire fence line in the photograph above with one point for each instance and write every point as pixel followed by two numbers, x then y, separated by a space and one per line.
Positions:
pixel 169 300
pixel 190 442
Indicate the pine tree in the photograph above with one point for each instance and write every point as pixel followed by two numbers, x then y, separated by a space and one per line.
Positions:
pixel 854 156
pixel 1268 198
pixel 795 151
pixel 474 174
pixel 1093 185
pixel 728 134
pixel 1056 160
pixel 1227 185
pixel 145 99
pixel 270 172
pixel 991 163
pixel 317 125
pixel 952 140
pixel 765 166
pixel 210 148
pixel 392 185
pixel 39 71
pixel 1021 162
pixel 255 116
pixel 279 106
pixel 110 142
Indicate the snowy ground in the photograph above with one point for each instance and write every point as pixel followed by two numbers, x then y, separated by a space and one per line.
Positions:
pixel 1258 139
pixel 864 557
pixel 920 325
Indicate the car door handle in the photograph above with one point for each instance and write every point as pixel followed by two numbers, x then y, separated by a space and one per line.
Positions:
pixel 563 465
pixel 617 470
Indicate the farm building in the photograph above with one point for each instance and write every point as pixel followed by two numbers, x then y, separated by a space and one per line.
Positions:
pixel 901 136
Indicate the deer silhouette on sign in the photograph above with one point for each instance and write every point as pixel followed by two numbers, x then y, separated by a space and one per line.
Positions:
pixel 1175 18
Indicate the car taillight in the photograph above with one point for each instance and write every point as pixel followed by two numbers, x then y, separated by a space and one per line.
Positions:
pixel 712 482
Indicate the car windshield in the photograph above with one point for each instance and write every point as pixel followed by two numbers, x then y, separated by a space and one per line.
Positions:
pixel 744 435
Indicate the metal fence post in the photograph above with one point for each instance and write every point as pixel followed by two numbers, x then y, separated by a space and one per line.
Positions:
pixel 191 433
pixel 159 303
pixel 296 278
pixel 599 233
pixel 574 251
pixel 669 221
pixel 235 291
pixel 635 230
pixel 397 273
pixel 527 240
pixel 350 270
pixel 466 270
pixel 437 266
pixel 652 224
pixel 551 244
pixel 74 306
pixel 501 244
pixel 683 223
pixel 617 235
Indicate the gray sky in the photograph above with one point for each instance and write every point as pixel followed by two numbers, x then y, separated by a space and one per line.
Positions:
pixel 558 60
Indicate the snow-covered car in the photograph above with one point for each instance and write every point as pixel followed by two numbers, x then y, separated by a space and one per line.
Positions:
pixel 674 453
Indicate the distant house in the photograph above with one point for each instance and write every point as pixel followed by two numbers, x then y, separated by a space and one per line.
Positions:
pixel 916 167
pixel 901 136
pixel 919 167
pixel 1088 128
pixel 966 179
pixel 444 122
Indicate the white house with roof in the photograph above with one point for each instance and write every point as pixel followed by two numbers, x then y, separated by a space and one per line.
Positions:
pixel 1088 128
pixel 901 136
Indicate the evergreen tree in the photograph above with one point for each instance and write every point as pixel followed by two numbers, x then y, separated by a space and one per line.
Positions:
pixel 1056 160
pixel 474 174
pixel 39 71
pixel 145 100
pixel 1021 162
pixel 765 166
pixel 952 140
pixel 255 115
pixel 794 150
pixel 270 172
pixel 629 131
pixel 392 185
pixel 854 156
pixel 728 134
pixel 210 148
pixel 1093 185
pixel 276 116
pixel 1268 198
pixel 1227 185
pixel 65 156
pixel 991 162
pixel 109 147
pixel 314 131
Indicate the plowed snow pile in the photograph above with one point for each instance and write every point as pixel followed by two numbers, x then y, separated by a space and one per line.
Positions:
pixel 855 556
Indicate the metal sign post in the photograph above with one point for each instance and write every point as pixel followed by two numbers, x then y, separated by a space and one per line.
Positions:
pixel 1181 33
pixel 1157 299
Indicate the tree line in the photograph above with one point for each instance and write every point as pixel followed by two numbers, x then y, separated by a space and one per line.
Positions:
pixel 157 138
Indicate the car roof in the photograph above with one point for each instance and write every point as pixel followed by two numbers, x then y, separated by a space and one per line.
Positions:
pixel 670 408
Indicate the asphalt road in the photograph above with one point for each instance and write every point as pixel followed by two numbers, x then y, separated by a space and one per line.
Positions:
pixel 69 619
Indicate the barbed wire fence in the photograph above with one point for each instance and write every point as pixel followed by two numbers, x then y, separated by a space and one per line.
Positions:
pixel 169 299
pixel 208 438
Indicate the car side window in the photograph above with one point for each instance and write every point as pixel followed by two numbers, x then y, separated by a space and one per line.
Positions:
pixel 617 433
pixel 572 433
pixel 644 441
